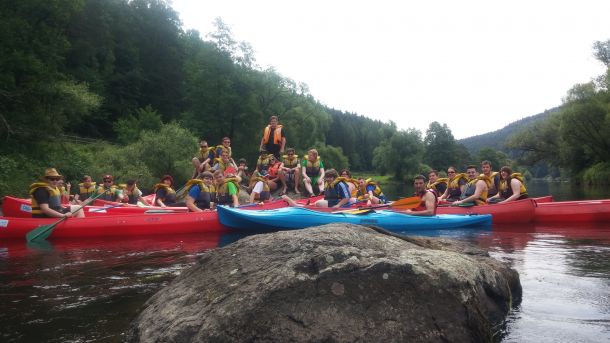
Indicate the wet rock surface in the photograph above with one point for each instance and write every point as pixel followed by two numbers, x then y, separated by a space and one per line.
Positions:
pixel 333 283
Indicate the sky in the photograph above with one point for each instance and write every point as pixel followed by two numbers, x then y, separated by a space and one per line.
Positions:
pixel 473 65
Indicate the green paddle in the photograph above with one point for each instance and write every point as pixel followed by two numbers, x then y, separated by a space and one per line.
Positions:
pixel 468 204
pixel 43 232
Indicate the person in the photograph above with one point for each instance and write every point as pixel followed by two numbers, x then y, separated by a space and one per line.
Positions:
pixel 225 163
pixel 455 185
pixel 86 189
pixel 204 157
pixel 165 195
pixel 109 191
pixel 351 183
pixel 370 192
pixel 274 138
pixel 201 193
pixel 46 198
pixel 273 173
pixel 227 189
pixel 64 189
pixel 260 186
pixel 438 185
pixel 511 187
pixel 225 146
pixel 262 163
pixel 475 190
pixel 336 192
pixel 312 170
pixel 289 171
pixel 132 194
pixel 427 206
pixel 492 175
pixel 242 171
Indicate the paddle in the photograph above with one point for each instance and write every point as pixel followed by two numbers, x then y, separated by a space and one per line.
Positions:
pixel 468 204
pixel 44 231
pixel 402 204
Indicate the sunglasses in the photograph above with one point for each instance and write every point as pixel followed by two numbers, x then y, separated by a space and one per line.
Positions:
pixel 203 146
pixel 107 181
pixel 53 178
pixel 207 178
pixel 450 172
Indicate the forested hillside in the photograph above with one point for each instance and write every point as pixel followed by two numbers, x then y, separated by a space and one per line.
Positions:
pixel 497 139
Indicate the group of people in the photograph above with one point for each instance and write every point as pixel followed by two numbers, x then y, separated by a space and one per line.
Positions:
pixel 217 180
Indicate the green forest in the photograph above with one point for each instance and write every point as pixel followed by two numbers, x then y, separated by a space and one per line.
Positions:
pixel 116 86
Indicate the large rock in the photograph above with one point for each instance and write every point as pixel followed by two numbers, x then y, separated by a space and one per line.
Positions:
pixel 334 283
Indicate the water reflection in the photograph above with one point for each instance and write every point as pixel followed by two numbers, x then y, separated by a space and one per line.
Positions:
pixel 91 289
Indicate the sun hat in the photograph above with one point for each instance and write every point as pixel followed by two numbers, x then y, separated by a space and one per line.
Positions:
pixel 51 172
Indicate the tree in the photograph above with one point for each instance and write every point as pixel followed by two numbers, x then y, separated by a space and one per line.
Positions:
pixel 400 155
pixel 440 147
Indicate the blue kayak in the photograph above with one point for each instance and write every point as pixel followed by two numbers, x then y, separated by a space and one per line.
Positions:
pixel 299 218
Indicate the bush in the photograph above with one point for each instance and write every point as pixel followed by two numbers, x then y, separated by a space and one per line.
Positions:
pixel 598 174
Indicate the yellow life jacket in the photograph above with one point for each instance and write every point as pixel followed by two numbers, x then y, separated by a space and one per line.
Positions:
pixel 290 162
pixel 222 165
pixel 222 191
pixel 205 152
pixel 277 135
pixel 506 191
pixel 85 192
pixel 54 197
pixel 132 195
pixel 168 189
pixel 347 180
pixel 454 181
pixel 312 168
pixel 222 148
pixel 263 161
pixel 438 181
pixel 256 178
pixel 108 194
pixel 471 188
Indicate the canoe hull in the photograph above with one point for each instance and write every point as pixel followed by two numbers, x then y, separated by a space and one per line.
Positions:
pixel 299 218
pixel 520 211
pixel 141 225
pixel 573 211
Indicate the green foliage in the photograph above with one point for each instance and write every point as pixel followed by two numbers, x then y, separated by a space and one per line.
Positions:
pixel 128 129
pixel 400 155
pixel 332 157
pixel 498 159
pixel 440 147
pixel 598 174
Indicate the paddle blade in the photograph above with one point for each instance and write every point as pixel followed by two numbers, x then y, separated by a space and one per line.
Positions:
pixel 42 232
pixel 406 203
pixel 357 211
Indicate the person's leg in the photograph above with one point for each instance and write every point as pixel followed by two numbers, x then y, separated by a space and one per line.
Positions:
pixel 196 166
pixel 282 175
pixel 297 181
pixel 290 202
pixel 308 187
pixel 321 203
pixel 320 185
pixel 78 214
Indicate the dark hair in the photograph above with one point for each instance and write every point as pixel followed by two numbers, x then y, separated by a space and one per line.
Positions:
pixel 290 150
pixel 419 177
pixel 486 162
pixel 472 166
pixel 506 169
pixel 433 171
pixel 241 160
pixel 345 171
pixel 131 182
pixel 85 177
pixel 206 173
pixel 331 172
pixel 273 117
pixel 168 177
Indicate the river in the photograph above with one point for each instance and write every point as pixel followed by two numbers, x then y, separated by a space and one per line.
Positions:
pixel 90 290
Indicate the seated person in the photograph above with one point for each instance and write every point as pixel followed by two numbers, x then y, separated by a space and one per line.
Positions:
pixel 438 185
pixel 242 171
pixel 86 189
pixel 109 191
pixel 353 185
pixel 227 189
pixel 204 157
pixel 427 207
pixel 260 186
pixel 336 192
pixel 132 194
pixel 476 188
pixel 201 193
pixel 273 173
pixel 165 195
pixel 224 163
pixel 312 170
pixel 455 186
pixel 370 192
pixel 46 198
pixel 289 171
pixel 511 187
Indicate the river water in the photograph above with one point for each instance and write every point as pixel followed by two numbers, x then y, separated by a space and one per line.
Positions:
pixel 90 290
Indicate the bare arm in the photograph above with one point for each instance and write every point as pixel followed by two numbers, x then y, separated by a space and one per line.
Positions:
pixel 190 203
pixel 52 213
pixel 430 206
pixel 515 186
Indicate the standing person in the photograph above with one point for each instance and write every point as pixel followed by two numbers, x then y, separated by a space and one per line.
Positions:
pixel 336 192
pixel 493 176
pixel 274 139
pixel 204 158
pixel 109 191
pixel 438 185
pixel 290 170
pixel 427 207
pixel 511 187
pixel 455 185
pixel 132 194
pixel 201 193
pixel 86 189
pixel 312 170
pixel 165 195
pixel 46 198
pixel 476 188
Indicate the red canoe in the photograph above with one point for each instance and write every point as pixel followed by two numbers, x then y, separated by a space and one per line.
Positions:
pixel 520 211
pixel 573 211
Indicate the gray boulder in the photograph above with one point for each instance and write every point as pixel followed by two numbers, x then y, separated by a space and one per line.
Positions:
pixel 333 283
